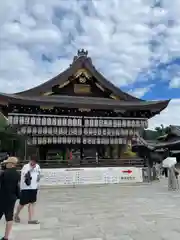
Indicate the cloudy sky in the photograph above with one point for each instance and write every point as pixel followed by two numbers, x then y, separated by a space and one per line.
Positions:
pixel 134 43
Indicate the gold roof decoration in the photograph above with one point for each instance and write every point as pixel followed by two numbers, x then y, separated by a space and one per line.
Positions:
pixel 82 71
pixel 99 86
pixel 47 93
pixel 64 84
pixel 114 97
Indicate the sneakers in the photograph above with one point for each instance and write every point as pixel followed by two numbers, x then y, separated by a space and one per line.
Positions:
pixel 17 219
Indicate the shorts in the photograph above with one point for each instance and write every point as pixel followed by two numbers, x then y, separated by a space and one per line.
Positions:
pixel 7 210
pixel 28 196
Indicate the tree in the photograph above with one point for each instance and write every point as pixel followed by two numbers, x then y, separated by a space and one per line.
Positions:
pixel 155 134
pixel 10 140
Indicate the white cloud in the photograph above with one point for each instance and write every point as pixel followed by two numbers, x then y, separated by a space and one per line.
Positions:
pixel 116 33
pixel 175 82
pixel 140 92
pixel 170 116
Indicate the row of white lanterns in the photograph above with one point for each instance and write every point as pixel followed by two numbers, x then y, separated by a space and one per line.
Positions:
pixel 75 121
pixel 78 131
pixel 77 140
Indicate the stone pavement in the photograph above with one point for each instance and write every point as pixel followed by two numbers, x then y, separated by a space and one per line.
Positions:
pixel 110 212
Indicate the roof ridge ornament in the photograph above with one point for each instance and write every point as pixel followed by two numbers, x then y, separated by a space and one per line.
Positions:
pixel 81 53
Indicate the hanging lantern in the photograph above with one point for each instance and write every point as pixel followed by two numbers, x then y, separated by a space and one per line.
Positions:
pixel 38 121
pixel 10 119
pixel 23 130
pixel 99 132
pixel 78 140
pixel 64 122
pixel 59 139
pixel 34 140
pixel 79 122
pixel 79 130
pixel 74 122
pixel 54 121
pixel 86 131
pixel 40 130
pixel 54 140
pixel 44 140
pixel 33 121
pixel 59 122
pixel 64 140
pixel 21 120
pixel 39 140
pixel 120 141
pixel 49 122
pixel 45 130
pixel 96 123
pixel 70 122
pixel 43 121
pixel 94 131
pixel 50 131
pixel 34 130
pixel 15 120
pixel 90 131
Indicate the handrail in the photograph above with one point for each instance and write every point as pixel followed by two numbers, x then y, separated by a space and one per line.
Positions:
pixel 136 162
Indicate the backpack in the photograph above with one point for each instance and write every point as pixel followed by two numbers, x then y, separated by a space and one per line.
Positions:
pixel 28 178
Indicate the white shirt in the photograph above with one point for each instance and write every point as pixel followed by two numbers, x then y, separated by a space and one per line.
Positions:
pixel 35 174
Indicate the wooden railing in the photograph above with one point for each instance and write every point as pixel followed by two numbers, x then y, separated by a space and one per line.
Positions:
pixel 134 162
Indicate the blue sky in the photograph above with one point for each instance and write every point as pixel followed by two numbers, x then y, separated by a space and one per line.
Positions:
pixel 134 43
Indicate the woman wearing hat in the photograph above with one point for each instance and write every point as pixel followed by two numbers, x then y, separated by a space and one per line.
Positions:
pixel 9 192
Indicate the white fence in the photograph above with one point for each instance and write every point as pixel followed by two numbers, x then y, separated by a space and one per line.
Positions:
pixel 82 176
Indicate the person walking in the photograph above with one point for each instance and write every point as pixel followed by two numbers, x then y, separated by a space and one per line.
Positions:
pixel 30 177
pixel 173 179
pixel 9 192
pixel 158 170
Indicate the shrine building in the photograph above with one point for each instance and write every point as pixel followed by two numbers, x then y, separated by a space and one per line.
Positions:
pixel 78 116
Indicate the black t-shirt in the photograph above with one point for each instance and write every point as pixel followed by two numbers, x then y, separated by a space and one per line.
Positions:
pixel 9 185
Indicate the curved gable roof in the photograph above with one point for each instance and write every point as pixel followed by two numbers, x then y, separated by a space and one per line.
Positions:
pixel 80 61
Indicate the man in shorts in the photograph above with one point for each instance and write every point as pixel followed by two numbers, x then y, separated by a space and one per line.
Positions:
pixel 9 192
pixel 30 177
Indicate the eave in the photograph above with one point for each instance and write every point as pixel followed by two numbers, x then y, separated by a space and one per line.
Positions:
pixel 84 102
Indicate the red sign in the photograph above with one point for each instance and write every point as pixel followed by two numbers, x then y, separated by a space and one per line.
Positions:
pixel 127 171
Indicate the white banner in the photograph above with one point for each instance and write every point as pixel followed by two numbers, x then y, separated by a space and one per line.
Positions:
pixel 81 176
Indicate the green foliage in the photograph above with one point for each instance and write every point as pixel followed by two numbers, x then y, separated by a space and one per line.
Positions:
pixel 10 140
pixel 3 122
pixel 155 134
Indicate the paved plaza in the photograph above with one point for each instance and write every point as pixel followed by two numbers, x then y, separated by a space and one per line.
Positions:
pixel 110 212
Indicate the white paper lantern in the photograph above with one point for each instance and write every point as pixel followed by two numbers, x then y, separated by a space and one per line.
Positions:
pixel 10 119
pixel 34 130
pixel 34 140
pixel 74 122
pixel 23 130
pixel 49 140
pixel 70 122
pixel 43 121
pixel 59 122
pixel 45 130
pixel 38 121
pixel 64 121
pixel 54 121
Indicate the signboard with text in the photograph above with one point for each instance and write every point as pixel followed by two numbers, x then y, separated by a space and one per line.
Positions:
pixel 82 176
